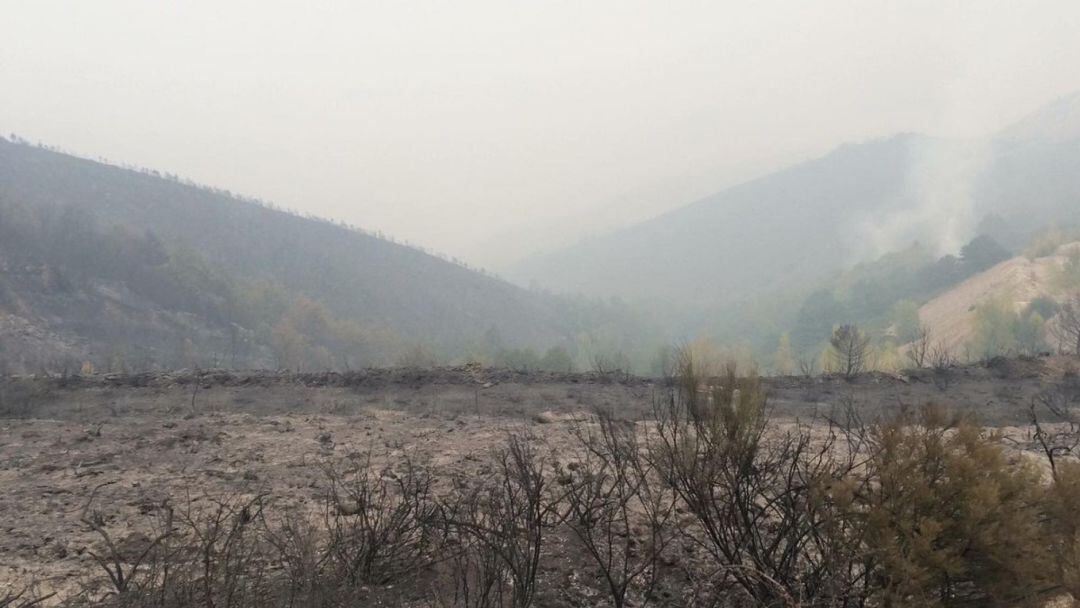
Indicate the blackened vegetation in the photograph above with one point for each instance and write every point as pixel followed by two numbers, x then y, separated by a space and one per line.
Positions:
pixel 23 598
pixel 619 505
pixel 501 524
pixel 713 502
pixel 367 378
pixel 381 525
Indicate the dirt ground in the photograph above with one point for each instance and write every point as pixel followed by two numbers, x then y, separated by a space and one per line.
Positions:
pixel 156 436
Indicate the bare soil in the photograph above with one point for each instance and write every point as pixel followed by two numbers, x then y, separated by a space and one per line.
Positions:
pixel 159 436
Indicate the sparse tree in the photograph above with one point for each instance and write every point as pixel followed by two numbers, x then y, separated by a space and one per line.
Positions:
pixel 919 349
pixel 850 350
pixel 982 253
pixel 1066 327
pixel 808 366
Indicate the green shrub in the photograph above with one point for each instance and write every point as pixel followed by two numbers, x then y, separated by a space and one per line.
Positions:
pixel 946 517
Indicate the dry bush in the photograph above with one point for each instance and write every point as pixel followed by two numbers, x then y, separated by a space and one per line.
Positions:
pixel 382 525
pixel 942 361
pixel 754 495
pixel 921 510
pixel 1057 402
pixel 478 576
pixel 298 547
pixel 1066 325
pixel 941 358
pixel 25 597
pixel 228 567
pixel 505 516
pixel 920 349
pixel 206 553
pixel 617 506
pixel 123 566
pixel 1057 434
pixel 227 552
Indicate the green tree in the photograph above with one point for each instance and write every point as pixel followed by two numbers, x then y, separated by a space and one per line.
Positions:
pixel 289 346
pixel 1046 306
pixel 982 253
pixel 995 328
pixel 819 314
pixel 1030 331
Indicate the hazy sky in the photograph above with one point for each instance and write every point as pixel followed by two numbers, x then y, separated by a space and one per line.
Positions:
pixel 485 129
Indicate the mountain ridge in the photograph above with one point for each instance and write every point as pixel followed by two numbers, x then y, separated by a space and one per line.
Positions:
pixel 806 221
pixel 165 238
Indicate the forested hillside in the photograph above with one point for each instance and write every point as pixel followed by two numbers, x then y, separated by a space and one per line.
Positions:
pixel 129 268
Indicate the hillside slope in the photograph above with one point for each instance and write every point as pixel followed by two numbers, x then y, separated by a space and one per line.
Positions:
pixel 748 239
pixel 111 260
pixel 1017 282
pixel 800 224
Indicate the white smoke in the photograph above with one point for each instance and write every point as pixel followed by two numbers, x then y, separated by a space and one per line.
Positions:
pixel 938 207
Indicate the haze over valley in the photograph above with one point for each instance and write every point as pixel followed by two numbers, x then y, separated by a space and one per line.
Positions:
pixel 133 268
pixel 499 305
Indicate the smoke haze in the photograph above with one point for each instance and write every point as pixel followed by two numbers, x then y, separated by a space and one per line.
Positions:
pixel 462 126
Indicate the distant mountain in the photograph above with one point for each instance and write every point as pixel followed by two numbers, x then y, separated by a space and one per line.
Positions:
pixel 106 263
pixel 748 239
pixel 1033 178
pixel 1056 121
pixel 790 229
